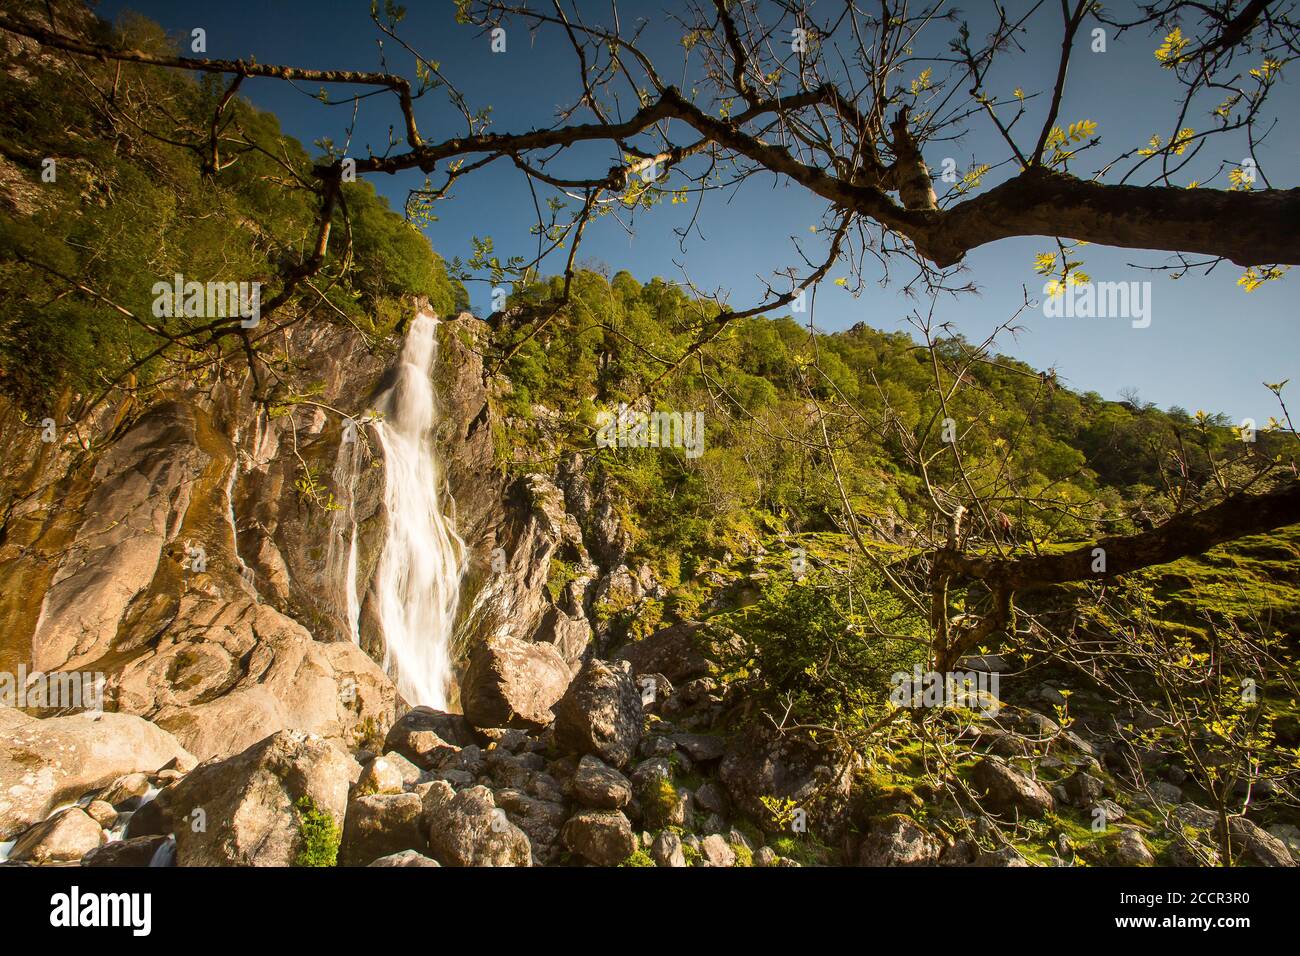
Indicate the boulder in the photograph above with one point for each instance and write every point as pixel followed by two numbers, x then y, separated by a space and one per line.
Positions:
pixel 711 798
pixel 667 850
pixel 127 792
pixel 600 713
pixel 405 858
pixel 513 683
pixel 662 804
pixel 676 652
pixel 702 748
pixel 381 824
pixel 63 838
pixel 898 840
pixel 1008 790
pixel 541 821
pixel 652 768
pixel 1289 834
pixel 1005 857
pixel 466 828
pixel 246 810
pixel 599 786
pixel 1083 789
pixel 102 813
pixel 1132 850
pixel 717 851
pixel 425 736
pixel 137 852
pixel 568 635
pixel 1164 792
pixel 762 762
pixel 512 770
pixel 1256 846
pixel 602 837
pixel 385 775
pixel 45 763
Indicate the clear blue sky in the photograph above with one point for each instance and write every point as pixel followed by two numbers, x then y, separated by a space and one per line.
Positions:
pixel 1209 345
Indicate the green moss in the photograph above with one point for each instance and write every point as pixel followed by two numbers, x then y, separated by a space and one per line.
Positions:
pixel 638 858
pixel 659 801
pixel 319 835
pixel 806 851
pixel 558 577
pixel 744 856
pixel 1248 581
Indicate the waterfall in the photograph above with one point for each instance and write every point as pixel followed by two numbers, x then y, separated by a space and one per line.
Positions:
pixel 418 579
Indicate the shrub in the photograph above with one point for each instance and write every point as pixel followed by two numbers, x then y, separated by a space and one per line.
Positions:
pixel 319 835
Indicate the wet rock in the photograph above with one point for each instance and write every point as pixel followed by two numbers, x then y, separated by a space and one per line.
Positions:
pixel 63 838
pixel 126 792
pixel 137 852
pixel 44 763
pixel 102 813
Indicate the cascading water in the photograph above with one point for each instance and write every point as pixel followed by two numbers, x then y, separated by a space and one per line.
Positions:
pixel 417 583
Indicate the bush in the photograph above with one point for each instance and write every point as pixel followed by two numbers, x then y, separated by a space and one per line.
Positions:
pixel 809 647
pixel 319 834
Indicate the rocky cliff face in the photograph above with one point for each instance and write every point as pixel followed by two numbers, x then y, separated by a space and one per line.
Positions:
pixel 193 548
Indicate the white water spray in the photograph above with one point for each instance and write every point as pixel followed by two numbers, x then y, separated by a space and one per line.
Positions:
pixel 418 579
